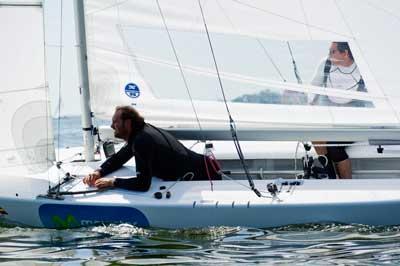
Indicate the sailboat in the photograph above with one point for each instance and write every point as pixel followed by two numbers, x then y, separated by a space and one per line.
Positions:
pixel 200 69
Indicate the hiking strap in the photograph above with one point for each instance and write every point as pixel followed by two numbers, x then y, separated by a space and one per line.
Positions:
pixel 327 70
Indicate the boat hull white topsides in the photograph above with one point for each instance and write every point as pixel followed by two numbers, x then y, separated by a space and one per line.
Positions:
pixel 190 204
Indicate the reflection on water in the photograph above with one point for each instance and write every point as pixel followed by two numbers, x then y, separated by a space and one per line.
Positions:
pixel 126 244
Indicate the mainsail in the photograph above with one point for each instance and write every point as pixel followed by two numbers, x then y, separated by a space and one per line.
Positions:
pixel 26 135
pixel 162 48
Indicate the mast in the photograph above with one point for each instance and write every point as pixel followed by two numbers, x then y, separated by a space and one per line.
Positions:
pixel 86 113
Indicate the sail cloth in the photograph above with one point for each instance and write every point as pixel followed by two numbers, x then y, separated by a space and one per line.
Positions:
pixel 26 137
pixel 162 50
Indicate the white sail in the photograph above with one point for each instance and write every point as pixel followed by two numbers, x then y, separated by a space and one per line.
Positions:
pixel 168 72
pixel 162 47
pixel 26 135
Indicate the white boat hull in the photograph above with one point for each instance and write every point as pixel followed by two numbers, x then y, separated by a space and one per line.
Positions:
pixel 193 204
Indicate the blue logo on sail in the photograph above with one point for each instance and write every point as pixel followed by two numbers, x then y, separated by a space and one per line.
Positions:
pixel 132 90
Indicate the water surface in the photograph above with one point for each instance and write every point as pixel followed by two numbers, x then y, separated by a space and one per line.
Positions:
pixel 329 244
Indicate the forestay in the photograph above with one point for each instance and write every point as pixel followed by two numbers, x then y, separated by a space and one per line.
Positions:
pixel 162 47
pixel 27 141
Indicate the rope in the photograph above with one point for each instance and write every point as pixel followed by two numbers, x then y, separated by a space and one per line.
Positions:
pixel 180 179
pixel 208 172
pixel 231 121
pixel 243 185
pixel 60 83
pixel 180 69
pixel 296 72
pixel 295 158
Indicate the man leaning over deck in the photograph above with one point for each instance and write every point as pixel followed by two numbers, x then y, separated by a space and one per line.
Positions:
pixel 157 153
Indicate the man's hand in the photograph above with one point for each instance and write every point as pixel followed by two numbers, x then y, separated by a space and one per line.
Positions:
pixel 104 182
pixel 90 179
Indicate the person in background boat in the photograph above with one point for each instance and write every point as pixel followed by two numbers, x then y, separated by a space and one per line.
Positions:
pixel 157 153
pixel 339 71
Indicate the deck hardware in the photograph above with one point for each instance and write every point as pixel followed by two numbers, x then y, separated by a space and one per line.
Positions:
pixel 272 188
pixel 283 184
pixel 379 149
pixel 3 211
pixel 108 148
pixel 54 192
pixel 261 173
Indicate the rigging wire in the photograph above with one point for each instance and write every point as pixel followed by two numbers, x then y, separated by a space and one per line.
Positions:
pixel 387 11
pixel 270 59
pixel 49 137
pixel 231 121
pixel 180 69
pixel 377 81
pixel 296 71
pixel 258 41
pixel 106 8
pixel 291 19
pixel 243 185
pixel 60 83
pixel 43 87
pixel 295 158
pixel 305 18
pixel 234 76
pixel 299 81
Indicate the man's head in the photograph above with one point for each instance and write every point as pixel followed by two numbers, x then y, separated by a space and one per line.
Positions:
pixel 126 121
pixel 340 54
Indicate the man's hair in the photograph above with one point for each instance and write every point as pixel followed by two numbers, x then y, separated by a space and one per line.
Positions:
pixel 129 113
pixel 343 46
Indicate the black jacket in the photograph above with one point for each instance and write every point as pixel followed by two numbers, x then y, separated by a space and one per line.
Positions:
pixel 157 153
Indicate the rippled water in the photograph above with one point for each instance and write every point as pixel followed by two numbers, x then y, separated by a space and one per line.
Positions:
pixel 125 244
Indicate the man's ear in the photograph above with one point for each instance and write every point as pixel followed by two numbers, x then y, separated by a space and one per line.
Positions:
pixel 128 123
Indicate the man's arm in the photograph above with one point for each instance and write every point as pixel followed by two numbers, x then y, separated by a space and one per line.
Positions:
pixel 144 150
pixel 141 183
pixel 116 160
pixel 110 165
